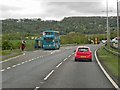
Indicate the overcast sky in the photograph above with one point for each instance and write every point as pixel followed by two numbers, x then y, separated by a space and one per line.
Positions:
pixel 55 9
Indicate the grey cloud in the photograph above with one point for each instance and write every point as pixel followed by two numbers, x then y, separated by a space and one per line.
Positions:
pixel 9 8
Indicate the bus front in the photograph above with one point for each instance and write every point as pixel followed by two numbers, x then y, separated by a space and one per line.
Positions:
pixel 49 43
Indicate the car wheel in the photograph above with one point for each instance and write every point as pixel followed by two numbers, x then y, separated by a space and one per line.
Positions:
pixel 75 59
pixel 90 60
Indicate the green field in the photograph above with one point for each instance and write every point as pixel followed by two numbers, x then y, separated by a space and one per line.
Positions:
pixel 109 60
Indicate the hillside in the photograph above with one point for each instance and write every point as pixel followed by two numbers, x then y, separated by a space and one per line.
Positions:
pixel 84 25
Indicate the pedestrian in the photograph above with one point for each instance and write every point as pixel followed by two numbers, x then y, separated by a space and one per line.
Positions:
pixel 23 45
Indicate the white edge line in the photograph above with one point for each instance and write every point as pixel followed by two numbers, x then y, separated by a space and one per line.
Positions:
pixel 106 74
pixel 48 75
pixel 59 65
pixel 12 58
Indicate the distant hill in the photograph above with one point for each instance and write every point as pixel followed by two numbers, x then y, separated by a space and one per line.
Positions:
pixel 84 25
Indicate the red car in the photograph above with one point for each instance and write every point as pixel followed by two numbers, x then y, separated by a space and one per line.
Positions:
pixel 83 53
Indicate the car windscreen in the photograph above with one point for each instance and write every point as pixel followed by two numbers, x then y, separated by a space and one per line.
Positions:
pixel 83 49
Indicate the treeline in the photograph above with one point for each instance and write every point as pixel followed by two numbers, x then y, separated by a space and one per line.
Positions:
pixel 83 25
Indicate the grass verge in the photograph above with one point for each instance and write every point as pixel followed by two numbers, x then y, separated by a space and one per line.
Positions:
pixel 109 62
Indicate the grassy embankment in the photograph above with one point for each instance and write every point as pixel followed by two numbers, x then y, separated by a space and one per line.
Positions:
pixel 109 61
pixel 16 51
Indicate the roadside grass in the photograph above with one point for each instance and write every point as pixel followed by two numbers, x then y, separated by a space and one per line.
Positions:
pixel 5 54
pixel 115 50
pixel 109 61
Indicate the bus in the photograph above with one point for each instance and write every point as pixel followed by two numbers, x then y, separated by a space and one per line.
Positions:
pixel 51 39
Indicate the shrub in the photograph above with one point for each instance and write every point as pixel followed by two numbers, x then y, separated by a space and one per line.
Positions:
pixel 6 45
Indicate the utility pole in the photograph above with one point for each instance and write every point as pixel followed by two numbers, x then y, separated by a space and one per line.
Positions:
pixel 118 33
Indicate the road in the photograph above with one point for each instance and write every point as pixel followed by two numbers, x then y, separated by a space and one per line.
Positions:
pixel 53 69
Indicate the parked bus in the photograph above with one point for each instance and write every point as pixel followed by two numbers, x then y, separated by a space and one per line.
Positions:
pixel 51 39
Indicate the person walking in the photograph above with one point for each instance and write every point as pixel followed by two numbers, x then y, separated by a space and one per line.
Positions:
pixel 23 45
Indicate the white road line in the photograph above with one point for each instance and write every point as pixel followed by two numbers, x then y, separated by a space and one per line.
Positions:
pixel 36 88
pixel 37 57
pixel 22 62
pixel 30 60
pixel 59 64
pixel 65 59
pixel 48 75
pixel 14 66
pixel 12 58
pixel 69 56
pixel 106 74
pixel 33 59
pixel 18 64
pixel 8 67
pixel 26 61
pixel 2 70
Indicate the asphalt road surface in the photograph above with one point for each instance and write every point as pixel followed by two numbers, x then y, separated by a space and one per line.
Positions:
pixel 53 69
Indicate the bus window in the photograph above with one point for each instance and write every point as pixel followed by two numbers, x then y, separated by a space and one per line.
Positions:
pixel 48 33
pixel 48 39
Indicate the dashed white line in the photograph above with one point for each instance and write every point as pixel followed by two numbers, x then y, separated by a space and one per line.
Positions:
pixel 14 66
pixel 69 56
pixel 29 60
pixel 2 70
pixel 48 75
pixel 18 64
pixel 36 88
pixel 26 61
pixel 33 59
pixel 22 62
pixel 37 57
pixel 59 65
pixel 8 67
pixel 65 59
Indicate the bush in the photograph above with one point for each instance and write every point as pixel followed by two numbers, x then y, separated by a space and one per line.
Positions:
pixel 6 45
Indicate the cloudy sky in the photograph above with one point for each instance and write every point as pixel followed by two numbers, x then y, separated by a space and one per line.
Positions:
pixel 55 9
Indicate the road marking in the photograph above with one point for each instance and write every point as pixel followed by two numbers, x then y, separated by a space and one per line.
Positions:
pixel 30 60
pixel 33 59
pixel 36 88
pixel 106 74
pixel 69 56
pixel 26 61
pixel 48 75
pixel 2 70
pixel 18 64
pixel 14 66
pixel 65 59
pixel 22 62
pixel 59 65
pixel 8 67
pixel 12 58
pixel 37 57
